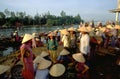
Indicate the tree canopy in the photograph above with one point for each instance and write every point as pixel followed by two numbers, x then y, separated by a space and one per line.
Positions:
pixel 9 19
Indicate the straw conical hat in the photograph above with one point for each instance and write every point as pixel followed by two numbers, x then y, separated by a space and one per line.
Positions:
pixel 119 36
pixel 117 27
pixel 43 64
pixel 83 28
pixel 35 34
pixel 37 39
pixel 51 34
pixel 44 53
pixel 109 26
pixel 89 28
pixel 79 57
pixel 37 59
pixel 97 29
pixel 64 52
pixel 27 37
pixel 71 29
pixel 4 68
pixel 64 31
pixel 57 70
pixel 103 29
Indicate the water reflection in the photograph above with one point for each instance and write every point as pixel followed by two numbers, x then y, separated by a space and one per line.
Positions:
pixel 31 29
pixel 27 29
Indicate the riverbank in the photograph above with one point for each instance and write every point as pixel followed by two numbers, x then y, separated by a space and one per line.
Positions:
pixel 7 60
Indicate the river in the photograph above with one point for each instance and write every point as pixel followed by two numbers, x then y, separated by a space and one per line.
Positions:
pixel 27 29
pixel 31 29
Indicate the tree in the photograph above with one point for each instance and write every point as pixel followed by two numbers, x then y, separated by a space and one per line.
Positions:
pixel 63 14
pixel 7 12
pixel 10 18
pixel 21 16
pixel 50 22
pixel 2 18
pixel 28 20
pixel 37 18
pixel 77 19
pixel 2 15
pixel 13 15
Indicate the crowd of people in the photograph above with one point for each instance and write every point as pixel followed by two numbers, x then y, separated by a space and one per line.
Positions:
pixel 79 50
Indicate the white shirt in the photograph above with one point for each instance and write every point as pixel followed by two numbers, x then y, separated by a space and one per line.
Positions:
pixel 65 41
pixel 85 44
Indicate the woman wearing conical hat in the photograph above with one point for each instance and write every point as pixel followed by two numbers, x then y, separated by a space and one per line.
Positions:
pixel 108 35
pixel 41 66
pixel 27 57
pixel 84 41
pixel 82 70
pixel 73 39
pixel 117 27
pixel 52 46
pixel 93 44
pixel 64 58
pixel 65 39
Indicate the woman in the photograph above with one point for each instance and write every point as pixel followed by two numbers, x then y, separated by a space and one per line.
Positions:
pixel 84 42
pixel 73 40
pixel 42 67
pixel 27 57
pixel 52 47
pixel 81 67
pixel 65 39
pixel 65 58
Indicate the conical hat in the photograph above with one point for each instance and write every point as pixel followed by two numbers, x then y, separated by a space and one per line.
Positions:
pixel 43 64
pixel 65 32
pixel 4 68
pixel 89 28
pixel 64 52
pixel 35 34
pixel 109 26
pixel 51 34
pixel 83 28
pixel 71 29
pixel 37 39
pixel 57 70
pixel 117 27
pixel 27 37
pixel 103 29
pixel 119 36
pixel 37 59
pixel 44 53
pixel 79 57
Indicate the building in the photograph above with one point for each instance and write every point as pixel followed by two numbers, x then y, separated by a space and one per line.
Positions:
pixel 117 11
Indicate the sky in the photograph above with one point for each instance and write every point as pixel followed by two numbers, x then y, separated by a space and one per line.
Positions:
pixel 97 10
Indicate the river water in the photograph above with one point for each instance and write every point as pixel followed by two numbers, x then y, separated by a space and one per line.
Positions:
pixel 27 29
pixel 32 29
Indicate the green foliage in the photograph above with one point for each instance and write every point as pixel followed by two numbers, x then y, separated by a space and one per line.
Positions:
pixel 9 18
